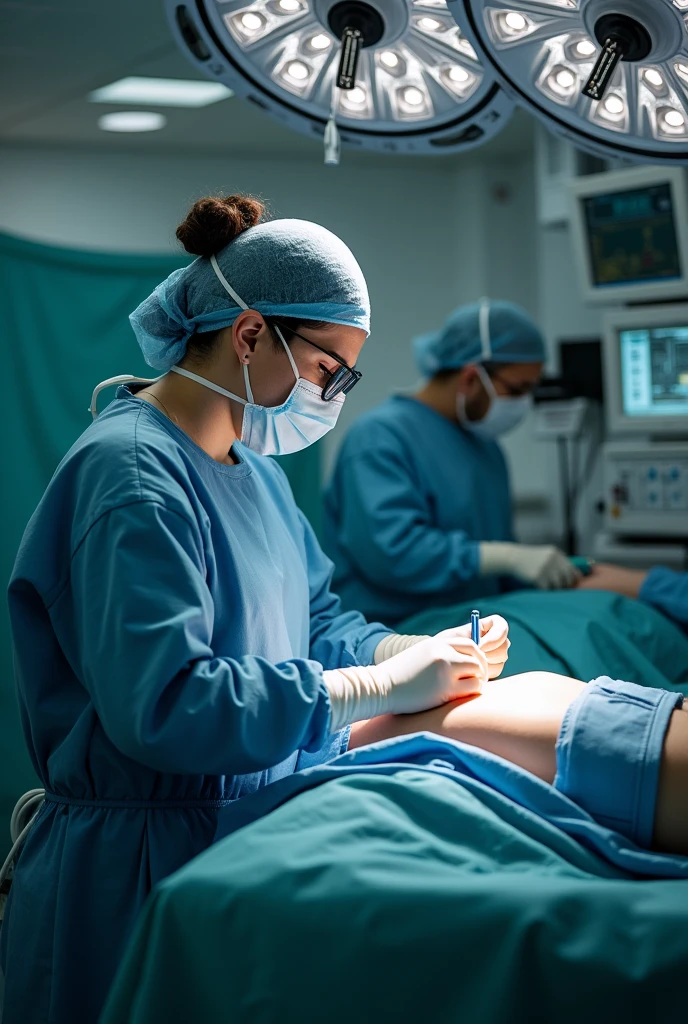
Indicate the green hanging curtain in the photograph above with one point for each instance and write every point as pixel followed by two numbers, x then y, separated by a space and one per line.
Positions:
pixel 64 327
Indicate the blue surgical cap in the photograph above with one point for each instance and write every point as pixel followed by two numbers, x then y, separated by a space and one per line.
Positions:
pixel 281 268
pixel 485 331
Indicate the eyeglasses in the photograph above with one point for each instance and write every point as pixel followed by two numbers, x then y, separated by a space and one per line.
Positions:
pixel 513 391
pixel 342 380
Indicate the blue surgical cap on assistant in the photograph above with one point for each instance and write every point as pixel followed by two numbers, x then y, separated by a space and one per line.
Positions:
pixel 486 331
pixel 286 268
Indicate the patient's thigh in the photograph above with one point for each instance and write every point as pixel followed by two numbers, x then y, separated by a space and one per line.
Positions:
pixel 518 718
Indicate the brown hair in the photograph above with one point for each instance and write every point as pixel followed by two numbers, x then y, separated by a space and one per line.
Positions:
pixel 215 221
pixel 211 224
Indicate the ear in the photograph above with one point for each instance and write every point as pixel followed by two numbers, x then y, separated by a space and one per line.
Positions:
pixel 467 379
pixel 245 331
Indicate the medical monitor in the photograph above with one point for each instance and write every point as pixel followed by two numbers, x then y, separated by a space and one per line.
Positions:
pixel 646 371
pixel 629 231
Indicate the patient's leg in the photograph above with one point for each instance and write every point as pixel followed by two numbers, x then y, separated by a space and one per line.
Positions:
pixel 519 718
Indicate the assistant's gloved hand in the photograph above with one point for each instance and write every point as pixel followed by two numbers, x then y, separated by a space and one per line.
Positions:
pixel 543 565
pixel 426 675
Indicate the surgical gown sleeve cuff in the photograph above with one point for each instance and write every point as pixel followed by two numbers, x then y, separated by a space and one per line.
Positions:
pixel 667 590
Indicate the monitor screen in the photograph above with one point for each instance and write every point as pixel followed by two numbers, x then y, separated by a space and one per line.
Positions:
pixel 654 371
pixel 631 236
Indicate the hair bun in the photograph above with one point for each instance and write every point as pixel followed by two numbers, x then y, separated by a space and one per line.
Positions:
pixel 214 221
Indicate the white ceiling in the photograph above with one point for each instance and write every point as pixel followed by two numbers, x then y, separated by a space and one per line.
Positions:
pixel 54 52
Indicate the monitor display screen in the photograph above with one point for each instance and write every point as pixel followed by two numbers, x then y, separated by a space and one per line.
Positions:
pixel 654 371
pixel 631 236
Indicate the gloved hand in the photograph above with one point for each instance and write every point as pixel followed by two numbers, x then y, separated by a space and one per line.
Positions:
pixel 426 675
pixel 543 565
pixel 494 641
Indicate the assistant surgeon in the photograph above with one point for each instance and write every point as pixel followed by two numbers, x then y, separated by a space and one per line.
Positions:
pixel 177 643
pixel 419 510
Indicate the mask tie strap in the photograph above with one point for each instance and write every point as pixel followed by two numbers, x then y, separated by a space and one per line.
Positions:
pixel 240 302
pixel 288 351
pixel 209 384
pixel 484 327
pixel 242 305
pixel 226 285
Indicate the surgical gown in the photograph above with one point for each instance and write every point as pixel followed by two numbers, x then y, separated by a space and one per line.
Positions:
pixel 411 497
pixel 667 590
pixel 171 618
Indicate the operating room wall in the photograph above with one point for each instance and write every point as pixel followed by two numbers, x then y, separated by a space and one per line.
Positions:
pixel 429 235
pixel 398 219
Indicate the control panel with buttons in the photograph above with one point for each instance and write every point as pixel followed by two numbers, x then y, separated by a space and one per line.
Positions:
pixel 646 488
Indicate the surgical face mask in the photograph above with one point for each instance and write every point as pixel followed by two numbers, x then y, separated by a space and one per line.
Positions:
pixel 503 414
pixel 281 429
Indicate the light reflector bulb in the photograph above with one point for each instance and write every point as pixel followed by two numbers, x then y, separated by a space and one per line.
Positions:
pixel 430 24
pixel 514 22
pixel 289 6
pixel 565 79
pixel 673 118
pixel 413 97
pixel 653 77
pixel 320 42
pixel 612 108
pixel 389 59
pixel 251 21
pixel 297 70
pixel 355 97
pixel 458 75
pixel 584 48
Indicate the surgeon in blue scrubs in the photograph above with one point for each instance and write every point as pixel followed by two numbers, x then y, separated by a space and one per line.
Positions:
pixel 663 588
pixel 419 510
pixel 177 642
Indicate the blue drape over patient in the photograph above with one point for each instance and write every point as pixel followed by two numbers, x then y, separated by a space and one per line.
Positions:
pixel 667 590
pixel 171 618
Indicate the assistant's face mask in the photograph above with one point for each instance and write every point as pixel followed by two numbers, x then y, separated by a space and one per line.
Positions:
pixel 504 414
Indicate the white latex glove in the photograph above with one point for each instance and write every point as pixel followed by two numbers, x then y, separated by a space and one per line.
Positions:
pixel 543 565
pixel 430 673
pixel 494 642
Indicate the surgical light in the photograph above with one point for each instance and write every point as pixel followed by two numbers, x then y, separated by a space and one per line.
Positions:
pixel 609 75
pixel 395 76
